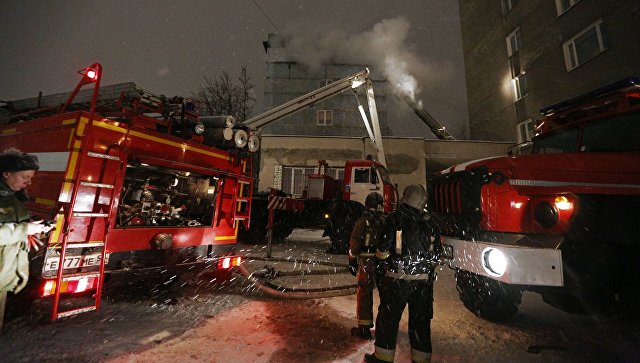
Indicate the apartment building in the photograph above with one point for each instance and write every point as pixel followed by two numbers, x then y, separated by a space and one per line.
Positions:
pixel 523 55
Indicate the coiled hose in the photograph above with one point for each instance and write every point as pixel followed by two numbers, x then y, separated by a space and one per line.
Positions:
pixel 295 293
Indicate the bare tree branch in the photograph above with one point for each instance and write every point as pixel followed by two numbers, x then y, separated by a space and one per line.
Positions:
pixel 221 96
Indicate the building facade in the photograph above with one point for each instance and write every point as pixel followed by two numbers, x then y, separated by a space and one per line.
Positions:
pixel 521 56
pixel 337 116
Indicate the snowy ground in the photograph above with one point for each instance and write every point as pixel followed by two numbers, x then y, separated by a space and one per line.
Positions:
pixel 198 321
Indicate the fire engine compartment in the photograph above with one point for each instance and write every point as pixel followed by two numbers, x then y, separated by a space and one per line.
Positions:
pixel 163 197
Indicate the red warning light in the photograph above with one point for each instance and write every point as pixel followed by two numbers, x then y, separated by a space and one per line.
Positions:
pixel 91 73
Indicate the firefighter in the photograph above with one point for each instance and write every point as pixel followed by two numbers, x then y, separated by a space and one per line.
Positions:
pixel 409 248
pixel 362 262
pixel 16 171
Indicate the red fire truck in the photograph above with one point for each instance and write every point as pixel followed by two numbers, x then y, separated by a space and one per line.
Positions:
pixel 326 201
pixel 561 221
pixel 129 181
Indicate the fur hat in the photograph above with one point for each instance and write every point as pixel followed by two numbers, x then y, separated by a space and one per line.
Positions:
pixel 15 160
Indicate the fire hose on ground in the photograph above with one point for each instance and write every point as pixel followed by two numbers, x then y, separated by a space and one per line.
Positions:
pixel 272 289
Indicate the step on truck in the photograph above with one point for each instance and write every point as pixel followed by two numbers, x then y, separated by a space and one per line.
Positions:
pixel 561 220
pixel 131 180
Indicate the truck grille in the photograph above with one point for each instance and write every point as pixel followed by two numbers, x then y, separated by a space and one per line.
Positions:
pixel 447 198
pixel 455 201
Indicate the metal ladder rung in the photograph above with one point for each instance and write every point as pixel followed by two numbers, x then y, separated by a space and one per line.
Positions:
pixel 89 214
pixel 102 156
pixel 84 244
pixel 75 312
pixel 97 185
pixel 79 275
pixel 244 182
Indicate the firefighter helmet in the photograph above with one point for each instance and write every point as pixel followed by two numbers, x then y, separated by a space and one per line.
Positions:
pixel 373 200
pixel 415 196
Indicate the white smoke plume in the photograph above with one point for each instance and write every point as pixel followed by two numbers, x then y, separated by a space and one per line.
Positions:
pixel 383 47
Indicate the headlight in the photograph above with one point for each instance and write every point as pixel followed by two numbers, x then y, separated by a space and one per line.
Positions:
pixel 198 128
pixel 546 214
pixel 494 262
pixel 563 203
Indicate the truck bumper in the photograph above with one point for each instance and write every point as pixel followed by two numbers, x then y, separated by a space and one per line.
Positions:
pixel 523 264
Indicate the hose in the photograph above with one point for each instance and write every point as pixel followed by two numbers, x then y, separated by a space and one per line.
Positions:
pixel 288 293
pixel 334 264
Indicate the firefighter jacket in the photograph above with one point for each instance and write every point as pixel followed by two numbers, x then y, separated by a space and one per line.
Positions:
pixel 409 245
pixel 14 256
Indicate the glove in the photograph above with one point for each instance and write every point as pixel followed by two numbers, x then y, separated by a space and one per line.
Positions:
pixel 353 266
pixel 37 227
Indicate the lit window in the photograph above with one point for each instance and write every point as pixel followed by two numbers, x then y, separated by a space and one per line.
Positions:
pixel 507 5
pixel 584 46
pixel 324 117
pixel 513 42
pixel 520 87
pixel 525 131
pixel 564 5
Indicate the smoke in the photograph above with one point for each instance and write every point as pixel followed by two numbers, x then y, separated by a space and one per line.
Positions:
pixel 384 47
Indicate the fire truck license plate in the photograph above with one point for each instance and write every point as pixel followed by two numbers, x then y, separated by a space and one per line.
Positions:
pixel 74 261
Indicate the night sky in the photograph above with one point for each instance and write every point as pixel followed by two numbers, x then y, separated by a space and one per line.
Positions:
pixel 167 47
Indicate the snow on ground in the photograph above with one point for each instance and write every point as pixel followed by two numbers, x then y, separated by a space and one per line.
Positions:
pixel 193 320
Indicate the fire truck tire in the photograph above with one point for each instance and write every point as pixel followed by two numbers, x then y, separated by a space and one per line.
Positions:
pixel 487 298
pixel 281 231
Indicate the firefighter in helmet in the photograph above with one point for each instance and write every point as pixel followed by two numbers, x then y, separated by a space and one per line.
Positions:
pixel 362 262
pixel 409 248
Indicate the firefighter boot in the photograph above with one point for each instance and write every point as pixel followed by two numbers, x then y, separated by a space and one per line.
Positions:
pixel 371 358
pixel 361 332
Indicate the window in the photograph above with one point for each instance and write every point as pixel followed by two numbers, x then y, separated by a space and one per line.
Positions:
pixel 324 117
pixel 361 175
pixel 618 134
pixel 520 88
pixel 294 178
pixel 525 131
pixel 513 42
pixel 563 5
pixel 560 142
pixel 507 5
pixel 584 46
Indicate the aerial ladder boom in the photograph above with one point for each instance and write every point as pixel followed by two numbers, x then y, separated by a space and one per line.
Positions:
pixel 351 82
pixel 431 122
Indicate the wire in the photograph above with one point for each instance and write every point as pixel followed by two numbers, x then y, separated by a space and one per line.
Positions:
pixel 266 16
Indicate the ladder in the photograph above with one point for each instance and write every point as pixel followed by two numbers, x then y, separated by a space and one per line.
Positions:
pixel 234 204
pixel 242 195
pixel 110 165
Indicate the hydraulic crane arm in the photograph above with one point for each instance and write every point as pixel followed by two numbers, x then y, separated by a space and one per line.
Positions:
pixel 431 122
pixel 330 90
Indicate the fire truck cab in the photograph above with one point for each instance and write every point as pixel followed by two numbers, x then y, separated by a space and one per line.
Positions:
pixel 561 221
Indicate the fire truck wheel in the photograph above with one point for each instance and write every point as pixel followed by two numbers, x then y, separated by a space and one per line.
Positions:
pixel 487 298
pixel 282 231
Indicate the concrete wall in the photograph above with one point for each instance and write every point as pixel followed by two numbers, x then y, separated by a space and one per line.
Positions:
pixel 409 160
pixel 441 154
